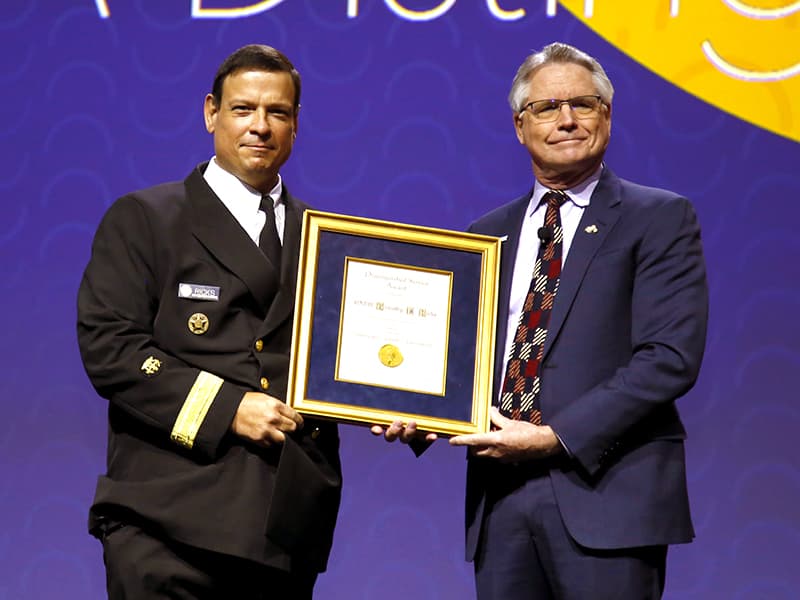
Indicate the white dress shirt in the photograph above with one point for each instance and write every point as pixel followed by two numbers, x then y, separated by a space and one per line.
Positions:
pixel 243 201
pixel 571 214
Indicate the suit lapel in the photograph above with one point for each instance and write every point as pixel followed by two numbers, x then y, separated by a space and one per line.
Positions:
pixel 602 213
pixel 220 233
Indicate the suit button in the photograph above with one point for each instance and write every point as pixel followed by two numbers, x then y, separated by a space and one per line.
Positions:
pixel 259 345
pixel 315 433
pixel 264 383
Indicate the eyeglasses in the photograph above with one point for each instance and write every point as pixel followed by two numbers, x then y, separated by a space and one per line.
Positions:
pixel 545 111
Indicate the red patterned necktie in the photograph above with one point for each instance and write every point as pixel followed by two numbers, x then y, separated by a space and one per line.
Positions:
pixel 520 397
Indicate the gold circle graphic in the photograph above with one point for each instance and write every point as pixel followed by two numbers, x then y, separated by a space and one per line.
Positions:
pixel 390 355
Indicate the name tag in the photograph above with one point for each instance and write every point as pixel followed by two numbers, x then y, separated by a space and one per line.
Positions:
pixel 195 291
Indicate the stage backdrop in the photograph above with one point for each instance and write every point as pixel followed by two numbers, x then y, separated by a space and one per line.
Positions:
pixel 404 117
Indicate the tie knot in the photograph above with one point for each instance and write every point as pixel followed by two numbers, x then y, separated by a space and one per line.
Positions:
pixel 267 204
pixel 556 198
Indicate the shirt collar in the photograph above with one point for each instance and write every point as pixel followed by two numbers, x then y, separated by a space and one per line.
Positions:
pixel 580 195
pixel 277 192
pixel 233 191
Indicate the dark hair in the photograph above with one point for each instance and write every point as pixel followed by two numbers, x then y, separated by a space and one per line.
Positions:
pixel 255 57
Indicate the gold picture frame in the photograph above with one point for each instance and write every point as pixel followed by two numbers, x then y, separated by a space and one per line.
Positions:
pixel 389 317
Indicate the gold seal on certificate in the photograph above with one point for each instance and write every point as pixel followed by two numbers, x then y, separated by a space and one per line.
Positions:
pixel 390 355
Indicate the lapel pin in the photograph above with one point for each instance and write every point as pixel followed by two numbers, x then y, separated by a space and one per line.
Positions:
pixel 591 229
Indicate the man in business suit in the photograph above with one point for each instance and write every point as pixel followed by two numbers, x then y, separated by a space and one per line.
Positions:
pixel 215 487
pixel 580 486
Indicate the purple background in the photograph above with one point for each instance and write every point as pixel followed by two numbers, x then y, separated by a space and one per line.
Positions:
pixel 401 121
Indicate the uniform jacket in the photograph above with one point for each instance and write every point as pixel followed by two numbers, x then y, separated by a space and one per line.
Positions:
pixel 625 340
pixel 172 461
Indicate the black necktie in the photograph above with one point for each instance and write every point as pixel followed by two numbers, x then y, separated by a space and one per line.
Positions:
pixel 520 397
pixel 269 242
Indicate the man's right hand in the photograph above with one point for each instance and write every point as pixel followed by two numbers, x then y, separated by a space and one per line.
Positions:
pixel 264 419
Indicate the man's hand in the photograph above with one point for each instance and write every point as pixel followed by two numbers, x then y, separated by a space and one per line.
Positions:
pixel 264 419
pixel 404 433
pixel 512 441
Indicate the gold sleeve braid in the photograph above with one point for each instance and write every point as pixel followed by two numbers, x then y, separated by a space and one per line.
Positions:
pixel 195 408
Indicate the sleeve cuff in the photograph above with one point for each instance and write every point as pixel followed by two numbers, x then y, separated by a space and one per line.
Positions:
pixel 564 446
pixel 206 415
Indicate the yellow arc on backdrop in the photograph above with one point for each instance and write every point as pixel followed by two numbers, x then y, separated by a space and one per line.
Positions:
pixel 742 56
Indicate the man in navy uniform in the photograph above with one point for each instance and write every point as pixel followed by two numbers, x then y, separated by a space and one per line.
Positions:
pixel 215 487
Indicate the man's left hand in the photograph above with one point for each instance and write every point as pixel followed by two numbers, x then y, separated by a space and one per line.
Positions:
pixel 405 433
pixel 511 441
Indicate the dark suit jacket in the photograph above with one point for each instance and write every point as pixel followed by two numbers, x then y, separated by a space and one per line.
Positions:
pixel 625 340
pixel 276 506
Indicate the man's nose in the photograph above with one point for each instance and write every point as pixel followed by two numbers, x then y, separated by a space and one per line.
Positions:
pixel 260 123
pixel 566 118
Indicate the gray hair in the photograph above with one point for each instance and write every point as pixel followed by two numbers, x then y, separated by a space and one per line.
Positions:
pixel 557 52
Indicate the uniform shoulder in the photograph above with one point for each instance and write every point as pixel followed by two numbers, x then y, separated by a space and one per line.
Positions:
pixel 155 208
pixel 159 194
pixel 163 198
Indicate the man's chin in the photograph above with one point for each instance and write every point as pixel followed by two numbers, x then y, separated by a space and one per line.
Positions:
pixel 569 171
pixel 258 168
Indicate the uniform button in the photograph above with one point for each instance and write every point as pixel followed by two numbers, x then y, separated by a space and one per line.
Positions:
pixel 259 345
pixel 315 433
pixel 264 383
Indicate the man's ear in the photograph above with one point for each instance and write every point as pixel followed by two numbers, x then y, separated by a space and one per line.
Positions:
pixel 517 117
pixel 210 112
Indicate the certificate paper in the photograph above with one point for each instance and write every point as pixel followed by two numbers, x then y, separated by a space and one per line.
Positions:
pixel 394 328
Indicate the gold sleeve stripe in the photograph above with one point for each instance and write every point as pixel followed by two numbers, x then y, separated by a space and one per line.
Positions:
pixel 195 408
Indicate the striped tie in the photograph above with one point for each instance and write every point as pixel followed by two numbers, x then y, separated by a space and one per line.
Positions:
pixel 520 396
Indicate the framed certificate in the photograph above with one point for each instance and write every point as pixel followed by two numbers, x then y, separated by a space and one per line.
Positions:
pixel 394 321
